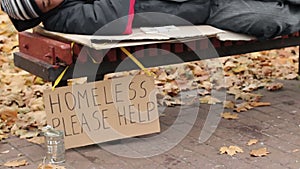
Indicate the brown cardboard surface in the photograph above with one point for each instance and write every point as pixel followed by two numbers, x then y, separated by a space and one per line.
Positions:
pixel 104 110
pixel 142 37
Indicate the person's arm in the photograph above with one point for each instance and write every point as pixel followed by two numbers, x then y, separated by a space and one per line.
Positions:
pixel 81 17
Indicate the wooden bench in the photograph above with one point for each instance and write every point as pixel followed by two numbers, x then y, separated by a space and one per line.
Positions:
pixel 47 57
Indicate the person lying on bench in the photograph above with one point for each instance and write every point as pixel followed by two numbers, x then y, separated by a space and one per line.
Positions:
pixel 260 18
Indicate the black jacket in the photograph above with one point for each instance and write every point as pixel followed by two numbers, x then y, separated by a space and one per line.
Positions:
pixel 87 16
pixel 116 16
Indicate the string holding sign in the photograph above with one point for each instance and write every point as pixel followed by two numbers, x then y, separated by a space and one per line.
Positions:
pixel 137 62
pixel 59 78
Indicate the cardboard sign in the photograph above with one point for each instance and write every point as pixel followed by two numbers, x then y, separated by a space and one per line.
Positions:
pixel 105 110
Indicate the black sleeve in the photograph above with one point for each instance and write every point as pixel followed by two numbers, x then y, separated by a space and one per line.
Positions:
pixel 21 25
pixel 89 17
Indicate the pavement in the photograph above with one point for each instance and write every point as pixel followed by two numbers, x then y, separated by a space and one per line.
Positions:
pixel 276 127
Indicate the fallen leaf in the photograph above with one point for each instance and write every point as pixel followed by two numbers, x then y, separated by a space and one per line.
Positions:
pixel 242 107
pixel 36 104
pixel 3 136
pixel 203 92
pixel 231 150
pixel 206 85
pixel 37 140
pixel 201 78
pixel 9 115
pixel 175 102
pixel 5 152
pixel 259 152
pixel 16 163
pixel 37 118
pixel 234 90
pixel 230 81
pixel 17 131
pixel 223 150
pixel 171 88
pixel 209 100
pixel 274 86
pixel 291 76
pixel 29 134
pixel 198 71
pixel 240 69
pixel 258 104
pixel 250 87
pixel 228 104
pixel 248 96
pixel 229 65
pixel 162 77
pixel 38 80
pixel 252 141
pixel 50 166
pixel 230 116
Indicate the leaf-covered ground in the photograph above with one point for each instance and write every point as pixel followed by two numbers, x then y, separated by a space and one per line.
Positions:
pixel 21 103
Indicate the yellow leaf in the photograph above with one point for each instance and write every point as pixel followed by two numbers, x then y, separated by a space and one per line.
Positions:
pixel 209 100
pixel 230 116
pixel 38 80
pixel 236 148
pixel 174 102
pixel 171 88
pixel 223 150
pixel 251 142
pixel 29 134
pixel 16 163
pixel 50 166
pixel 228 65
pixel 258 104
pixel 36 118
pixel 231 150
pixel 3 136
pixel 274 86
pixel 291 76
pixel 36 104
pixel 259 152
pixel 228 104
pixel 162 77
pixel 250 87
pixel 248 96
pixel 37 140
pixel 206 85
pixel 234 90
pixel 240 69
pixel 198 71
pixel 242 107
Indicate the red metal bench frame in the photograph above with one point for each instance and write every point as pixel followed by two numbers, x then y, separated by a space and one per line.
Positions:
pixel 47 57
